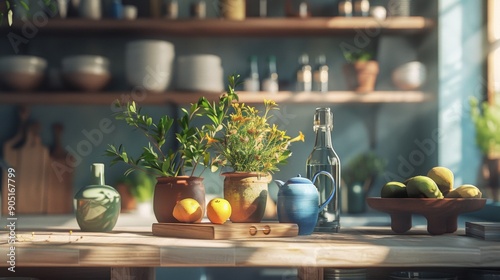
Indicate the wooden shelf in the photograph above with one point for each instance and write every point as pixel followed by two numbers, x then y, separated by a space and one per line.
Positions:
pixel 220 27
pixel 182 98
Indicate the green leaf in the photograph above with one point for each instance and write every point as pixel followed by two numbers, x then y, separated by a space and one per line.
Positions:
pixel 25 6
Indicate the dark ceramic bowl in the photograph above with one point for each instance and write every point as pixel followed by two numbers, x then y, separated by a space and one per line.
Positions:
pixel 441 214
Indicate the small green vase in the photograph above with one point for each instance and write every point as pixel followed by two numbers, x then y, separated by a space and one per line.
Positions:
pixel 97 205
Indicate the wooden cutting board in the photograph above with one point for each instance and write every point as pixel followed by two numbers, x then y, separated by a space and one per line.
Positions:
pixel 33 161
pixel 11 155
pixel 226 231
pixel 60 177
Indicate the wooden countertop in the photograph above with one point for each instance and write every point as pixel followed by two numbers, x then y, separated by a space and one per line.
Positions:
pixel 353 247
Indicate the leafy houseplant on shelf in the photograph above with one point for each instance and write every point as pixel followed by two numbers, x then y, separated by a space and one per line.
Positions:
pixel 360 71
pixel 486 119
pixel 358 177
pixel 252 147
pixel 174 169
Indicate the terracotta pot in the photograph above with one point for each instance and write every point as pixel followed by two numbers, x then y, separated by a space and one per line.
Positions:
pixel 247 193
pixel 169 190
pixel 128 201
pixel 361 76
pixel 493 165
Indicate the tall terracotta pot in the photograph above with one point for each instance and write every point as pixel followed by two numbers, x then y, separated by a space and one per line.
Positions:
pixel 169 190
pixel 247 193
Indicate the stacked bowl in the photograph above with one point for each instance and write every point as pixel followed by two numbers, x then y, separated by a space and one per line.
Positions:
pixel 201 72
pixel 149 64
pixel 22 72
pixel 86 72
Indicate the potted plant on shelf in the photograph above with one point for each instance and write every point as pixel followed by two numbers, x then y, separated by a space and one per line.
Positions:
pixel 360 71
pixel 252 147
pixel 358 177
pixel 486 119
pixel 174 169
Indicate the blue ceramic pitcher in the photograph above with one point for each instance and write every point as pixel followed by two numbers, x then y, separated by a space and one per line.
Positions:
pixel 298 202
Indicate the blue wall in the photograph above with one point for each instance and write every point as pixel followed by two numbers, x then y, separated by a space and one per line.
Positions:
pixel 461 75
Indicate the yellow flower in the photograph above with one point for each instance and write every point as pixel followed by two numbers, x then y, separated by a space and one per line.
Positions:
pixel 298 138
pixel 270 103
pixel 210 140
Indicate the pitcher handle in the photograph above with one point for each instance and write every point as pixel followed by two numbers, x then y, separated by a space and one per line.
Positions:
pixel 333 189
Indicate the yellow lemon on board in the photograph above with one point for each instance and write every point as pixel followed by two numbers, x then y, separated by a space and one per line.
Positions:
pixel 188 210
pixel 218 210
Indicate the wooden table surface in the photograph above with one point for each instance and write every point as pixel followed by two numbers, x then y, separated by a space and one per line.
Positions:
pixel 353 247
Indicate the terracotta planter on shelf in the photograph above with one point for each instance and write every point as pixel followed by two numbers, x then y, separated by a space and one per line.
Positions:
pixel 361 76
pixel 491 172
pixel 247 193
pixel 169 190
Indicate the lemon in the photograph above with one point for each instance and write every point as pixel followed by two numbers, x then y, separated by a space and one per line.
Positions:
pixel 218 210
pixel 188 210
pixel 443 178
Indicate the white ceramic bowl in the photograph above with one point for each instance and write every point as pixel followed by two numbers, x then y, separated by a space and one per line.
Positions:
pixel 91 64
pixel 409 76
pixel 201 72
pixel 22 64
pixel 22 72
pixel 85 72
pixel 149 64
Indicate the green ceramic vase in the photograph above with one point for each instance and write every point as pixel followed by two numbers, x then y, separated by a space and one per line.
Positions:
pixel 97 205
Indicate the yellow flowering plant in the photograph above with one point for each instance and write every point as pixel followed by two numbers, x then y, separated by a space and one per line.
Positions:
pixel 250 143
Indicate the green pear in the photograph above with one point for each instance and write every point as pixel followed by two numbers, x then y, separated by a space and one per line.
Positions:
pixel 422 186
pixel 393 189
pixel 465 191
pixel 443 178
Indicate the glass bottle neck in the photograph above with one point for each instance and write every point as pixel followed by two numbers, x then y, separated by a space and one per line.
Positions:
pixel 323 137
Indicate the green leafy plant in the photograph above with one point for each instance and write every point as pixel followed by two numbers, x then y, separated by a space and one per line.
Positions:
pixel 142 187
pixel 249 143
pixel 10 6
pixel 486 119
pixel 355 56
pixel 362 169
pixel 194 142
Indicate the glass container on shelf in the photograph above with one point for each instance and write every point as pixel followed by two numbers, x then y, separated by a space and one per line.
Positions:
pixel 297 8
pixel 320 75
pixel 304 74
pixel 270 82
pixel 252 82
pixel 361 8
pixel 345 8
pixel 172 9
pixel 324 158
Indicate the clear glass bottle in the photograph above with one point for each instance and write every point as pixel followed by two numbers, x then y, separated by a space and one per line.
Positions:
pixel 345 8
pixel 362 8
pixel 172 9
pixel 270 82
pixel 320 75
pixel 304 74
pixel 252 82
pixel 324 158
pixel 297 8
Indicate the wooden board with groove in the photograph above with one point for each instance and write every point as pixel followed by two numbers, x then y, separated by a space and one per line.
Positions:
pixel 226 231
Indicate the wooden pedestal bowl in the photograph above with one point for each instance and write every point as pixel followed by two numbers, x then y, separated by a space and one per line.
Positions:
pixel 441 214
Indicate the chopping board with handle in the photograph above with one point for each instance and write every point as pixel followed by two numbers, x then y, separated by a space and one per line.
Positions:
pixel 60 177
pixel 33 161
pixel 11 155
pixel 226 231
